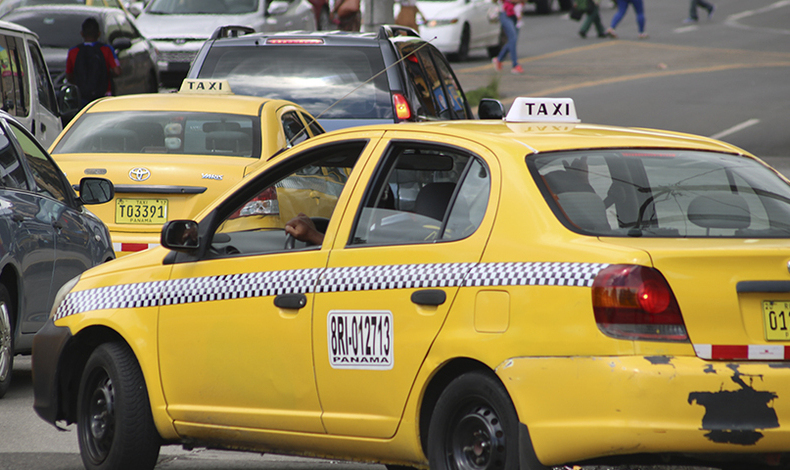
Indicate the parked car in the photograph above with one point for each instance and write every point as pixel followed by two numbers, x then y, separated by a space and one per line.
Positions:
pixel 58 28
pixel 342 78
pixel 8 5
pixel 172 154
pixel 520 294
pixel 461 27
pixel 26 88
pixel 178 29
pixel 46 234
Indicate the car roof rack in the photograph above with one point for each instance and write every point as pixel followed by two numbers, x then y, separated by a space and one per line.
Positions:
pixel 231 31
pixel 390 30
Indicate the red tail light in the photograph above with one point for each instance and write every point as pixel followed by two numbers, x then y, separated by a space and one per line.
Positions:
pixel 264 203
pixel 636 302
pixel 402 109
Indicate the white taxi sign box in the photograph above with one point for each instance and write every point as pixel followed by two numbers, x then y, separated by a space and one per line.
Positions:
pixel 525 109
pixel 205 86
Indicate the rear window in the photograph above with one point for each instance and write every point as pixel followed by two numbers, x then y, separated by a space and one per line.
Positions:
pixel 55 28
pixel 664 193
pixel 163 132
pixel 316 77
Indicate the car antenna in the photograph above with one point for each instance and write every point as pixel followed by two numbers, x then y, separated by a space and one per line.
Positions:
pixel 315 118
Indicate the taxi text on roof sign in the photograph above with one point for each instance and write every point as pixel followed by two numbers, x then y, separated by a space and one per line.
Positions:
pixel 527 109
pixel 205 85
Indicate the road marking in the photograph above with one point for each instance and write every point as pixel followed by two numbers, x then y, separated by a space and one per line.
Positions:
pixel 686 29
pixel 734 129
pixel 733 20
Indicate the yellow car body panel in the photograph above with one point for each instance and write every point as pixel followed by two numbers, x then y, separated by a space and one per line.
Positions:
pixel 227 366
pixel 181 184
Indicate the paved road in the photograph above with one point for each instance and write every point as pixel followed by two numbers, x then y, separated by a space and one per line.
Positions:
pixel 728 78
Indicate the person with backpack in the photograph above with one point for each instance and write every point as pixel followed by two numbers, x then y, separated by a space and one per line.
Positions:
pixel 91 65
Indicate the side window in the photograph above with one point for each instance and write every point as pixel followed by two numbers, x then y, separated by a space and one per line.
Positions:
pixel 19 69
pixel 308 184
pixel 294 129
pixel 423 194
pixel 45 173
pixel 125 27
pixel 111 29
pixel 453 89
pixel 46 95
pixel 8 71
pixel 12 174
pixel 424 105
pixel 434 84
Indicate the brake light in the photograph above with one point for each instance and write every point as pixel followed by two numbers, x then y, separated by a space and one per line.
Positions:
pixel 294 41
pixel 264 203
pixel 402 109
pixel 636 303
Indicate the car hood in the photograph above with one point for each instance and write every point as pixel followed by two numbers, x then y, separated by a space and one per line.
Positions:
pixel 167 27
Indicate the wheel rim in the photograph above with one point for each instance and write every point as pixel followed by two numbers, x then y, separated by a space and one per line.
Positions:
pixel 99 417
pixel 477 441
pixel 5 342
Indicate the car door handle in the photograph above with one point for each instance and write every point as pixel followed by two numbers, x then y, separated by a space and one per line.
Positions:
pixel 429 297
pixel 290 301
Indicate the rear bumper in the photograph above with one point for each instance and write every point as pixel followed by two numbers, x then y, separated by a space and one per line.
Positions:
pixel 580 408
pixel 126 243
pixel 48 345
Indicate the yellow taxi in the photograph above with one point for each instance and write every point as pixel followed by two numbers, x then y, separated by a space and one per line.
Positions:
pixel 169 155
pixel 511 294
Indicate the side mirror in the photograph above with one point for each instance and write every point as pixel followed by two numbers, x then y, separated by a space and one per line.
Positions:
pixel 277 7
pixel 490 109
pixel 96 190
pixel 69 102
pixel 180 235
pixel 121 43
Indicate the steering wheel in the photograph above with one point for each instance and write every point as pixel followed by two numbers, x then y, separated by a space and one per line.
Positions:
pixel 321 223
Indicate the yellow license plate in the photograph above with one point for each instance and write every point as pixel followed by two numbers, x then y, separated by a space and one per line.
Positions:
pixel 140 211
pixel 776 315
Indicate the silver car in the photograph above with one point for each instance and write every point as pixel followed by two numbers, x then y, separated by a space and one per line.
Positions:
pixel 179 28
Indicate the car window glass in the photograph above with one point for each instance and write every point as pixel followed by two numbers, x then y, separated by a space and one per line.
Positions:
pixel 451 86
pixel 21 74
pixel 665 194
pixel 46 95
pixel 294 129
pixel 45 173
pixel 13 101
pixel 423 194
pixel 308 184
pixel 190 133
pixel 434 84
pixel 343 74
pixel 12 174
pixel 111 29
pixel 124 26
pixel 54 29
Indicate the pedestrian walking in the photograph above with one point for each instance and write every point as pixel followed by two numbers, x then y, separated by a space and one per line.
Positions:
pixel 593 17
pixel 407 16
pixel 695 4
pixel 92 65
pixel 346 15
pixel 510 19
pixel 622 6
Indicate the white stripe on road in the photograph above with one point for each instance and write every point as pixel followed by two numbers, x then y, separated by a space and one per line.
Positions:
pixel 733 20
pixel 734 129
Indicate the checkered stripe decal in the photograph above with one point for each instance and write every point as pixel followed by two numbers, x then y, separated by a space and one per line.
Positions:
pixel 533 274
pixel 320 280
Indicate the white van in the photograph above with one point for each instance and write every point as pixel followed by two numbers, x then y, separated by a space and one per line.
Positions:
pixel 26 89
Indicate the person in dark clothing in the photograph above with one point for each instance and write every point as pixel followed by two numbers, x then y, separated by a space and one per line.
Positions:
pixel 92 64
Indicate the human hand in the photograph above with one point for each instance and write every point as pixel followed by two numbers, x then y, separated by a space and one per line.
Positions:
pixel 303 229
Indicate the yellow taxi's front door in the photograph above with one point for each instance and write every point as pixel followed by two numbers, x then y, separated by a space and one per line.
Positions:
pixel 235 328
pixel 406 245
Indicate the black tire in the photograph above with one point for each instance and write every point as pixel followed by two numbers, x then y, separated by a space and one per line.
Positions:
pixel 6 340
pixel 543 7
pixel 474 426
pixel 115 428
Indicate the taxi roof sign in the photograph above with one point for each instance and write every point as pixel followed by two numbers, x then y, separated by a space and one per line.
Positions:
pixel 525 109
pixel 209 86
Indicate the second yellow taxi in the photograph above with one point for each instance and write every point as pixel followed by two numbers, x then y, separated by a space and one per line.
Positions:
pixel 169 155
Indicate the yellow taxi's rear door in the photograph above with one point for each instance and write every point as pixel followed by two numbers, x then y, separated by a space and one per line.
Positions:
pixel 407 240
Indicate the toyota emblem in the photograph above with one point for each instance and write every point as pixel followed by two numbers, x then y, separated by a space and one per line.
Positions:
pixel 139 174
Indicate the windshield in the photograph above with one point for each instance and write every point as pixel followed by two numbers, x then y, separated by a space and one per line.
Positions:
pixel 56 29
pixel 163 132
pixel 203 7
pixel 664 193
pixel 316 77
